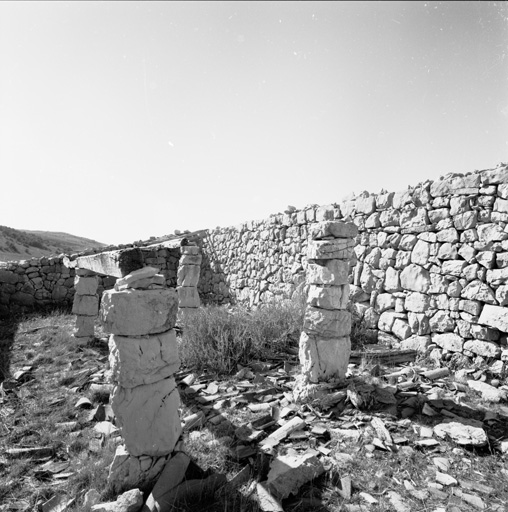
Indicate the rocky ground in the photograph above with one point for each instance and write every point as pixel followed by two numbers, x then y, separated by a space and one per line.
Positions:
pixel 401 434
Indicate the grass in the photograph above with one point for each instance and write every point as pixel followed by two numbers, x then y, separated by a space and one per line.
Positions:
pixel 219 338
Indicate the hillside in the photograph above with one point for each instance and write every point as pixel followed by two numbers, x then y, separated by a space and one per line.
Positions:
pixel 18 244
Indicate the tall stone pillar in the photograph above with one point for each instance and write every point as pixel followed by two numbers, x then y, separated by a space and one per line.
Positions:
pixel 86 303
pixel 188 278
pixel 325 345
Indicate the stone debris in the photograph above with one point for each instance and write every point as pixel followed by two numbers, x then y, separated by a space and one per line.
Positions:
pixel 130 501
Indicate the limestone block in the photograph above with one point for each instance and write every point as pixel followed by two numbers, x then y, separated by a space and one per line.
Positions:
pixel 418 343
pixel 389 218
pixel 372 221
pixel 324 213
pixel 502 259
pixel 190 249
pixel 454 185
pixel 144 359
pixel 419 323
pixel 85 326
pixel 86 305
pixel 453 267
pixel 127 471
pixel 502 295
pixel 461 433
pixel 148 417
pixel 188 275
pixel 495 176
pixel 489 393
pixel 447 235
pixel 329 297
pixel 438 214
pixel 392 280
pixel 466 220
pixel 491 233
pixel 501 205
pixel 497 277
pixel 188 297
pixel 341 248
pixel 467 252
pixel 371 318
pixel 483 348
pixel 370 279
pixel 414 218
pixel 473 307
pixel 384 302
pixel 401 198
pixel 143 273
pixel 415 278
pixel 441 322
pixel 494 316
pixel 86 285
pixel 387 319
pixel 454 289
pixel 448 341
pixel 447 251
pixel 130 501
pixel 502 190
pixel 139 312
pixel 289 472
pixel 366 205
pixel 476 290
pixel 327 323
pixel 111 263
pixel 420 253
pixel 486 259
pixel 324 358
pixel 333 272
pixel 384 201
pixel 417 302
pixel 401 329
pixel 334 229
pixel 190 259
pixel 407 242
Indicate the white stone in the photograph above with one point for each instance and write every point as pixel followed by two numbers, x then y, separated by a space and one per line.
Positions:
pixel 86 285
pixel 466 220
pixel 491 232
pixel 289 472
pixel 147 283
pixel 392 280
pixel 419 323
pixel 420 253
pixel 365 205
pixel 483 348
pixel 489 393
pixel 384 301
pixel 333 229
pixel 476 290
pixel 188 275
pixel 453 267
pixel 142 273
pixel 495 176
pixel 401 329
pixel 417 302
pixel 324 358
pixel 129 501
pixel 497 277
pixel 333 272
pixel 190 259
pixel 85 326
pixel 139 312
pixel 447 234
pixel 448 341
pixel 148 417
pixel 85 305
pixel 386 320
pixel 414 218
pixel 327 323
pixel 502 295
pixel 494 316
pixel 341 248
pixel 328 297
pixel 462 434
pixel 441 322
pixel 415 278
pixel 143 360
pixel 418 343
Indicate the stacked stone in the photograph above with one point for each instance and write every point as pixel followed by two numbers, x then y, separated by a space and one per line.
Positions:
pixel 86 303
pixel 325 345
pixel 140 313
pixel 188 278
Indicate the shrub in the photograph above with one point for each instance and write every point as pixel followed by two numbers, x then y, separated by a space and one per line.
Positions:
pixel 220 337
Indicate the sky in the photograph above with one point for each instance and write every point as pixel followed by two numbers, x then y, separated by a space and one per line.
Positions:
pixel 125 120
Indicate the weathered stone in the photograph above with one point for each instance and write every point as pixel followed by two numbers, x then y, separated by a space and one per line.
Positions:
pixel 495 176
pixel 462 434
pixel 112 263
pixel 86 305
pixel 415 278
pixel 483 348
pixel 414 218
pixel 371 318
pixel 494 316
pixel 473 307
pixel 188 297
pixel 341 248
pixel 441 322
pixel 447 234
pixel 491 233
pixel 453 267
pixel 389 218
pixel 386 320
pixel 420 253
pixel 324 358
pixel 8 277
pixel 86 285
pixel 289 472
pixel 148 417
pixel 489 393
pixel 143 360
pixel 418 343
pixel 139 312
pixel 401 329
pixel 454 185
pixel 130 501
pixel 448 341
pixel 332 272
pixel 85 326
pixel 417 302
pixel 365 205
pixel 392 280
pixel 466 220
pixel 502 295
pixel 419 323
pixel 327 323
pixel 497 277
pixel 188 275
pixel 137 275
pixel 476 290
pixel 191 259
pixel 328 297
pixel 333 229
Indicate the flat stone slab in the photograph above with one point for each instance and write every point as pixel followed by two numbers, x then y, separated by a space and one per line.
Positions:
pixel 333 229
pixel 327 323
pixel 494 316
pixel 139 312
pixel 341 249
pixel 462 434
pixel 111 263
pixel 328 297
pixel 332 272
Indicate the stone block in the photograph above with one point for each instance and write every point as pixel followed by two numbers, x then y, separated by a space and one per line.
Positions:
pixel 328 297
pixel 401 329
pixel 413 218
pixel 454 185
pixel 418 343
pixel 86 285
pixel 190 249
pixel 86 305
pixel 111 263
pixel 491 233
pixel 190 259
pixel 448 341
pixel 417 302
pixel 85 326
pixel 324 358
pixel 143 360
pixel 494 316
pixel 366 205
pixel 476 290
pixel 188 275
pixel 415 278
pixel 331 272
pixel 139 312
pixel 188 297
pixel 327 323
pixel 441 322
pixel 6 276
pixel 333 229
pixel 495 176
pixel 483 348
pixel 466 220
pixel 341 249
pixel 384 302
pixel 148 417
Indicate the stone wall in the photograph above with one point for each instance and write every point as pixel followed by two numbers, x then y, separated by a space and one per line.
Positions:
pixel 45 281
pixel 429 259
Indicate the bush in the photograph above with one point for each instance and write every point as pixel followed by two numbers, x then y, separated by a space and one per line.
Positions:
pixel 220 337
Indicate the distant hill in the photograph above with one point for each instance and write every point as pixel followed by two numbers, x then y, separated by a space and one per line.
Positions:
pixel 19 244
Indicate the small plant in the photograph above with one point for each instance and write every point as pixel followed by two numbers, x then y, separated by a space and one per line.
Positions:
pixel 219 337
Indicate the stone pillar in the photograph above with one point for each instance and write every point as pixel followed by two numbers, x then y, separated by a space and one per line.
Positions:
pixel 86 303
pixel 140 313
pixel 325 345
pixel 187 279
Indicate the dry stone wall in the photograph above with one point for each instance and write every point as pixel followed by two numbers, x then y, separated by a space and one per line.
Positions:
pixel 432 261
